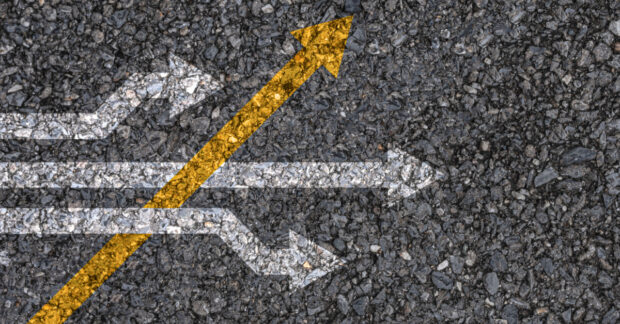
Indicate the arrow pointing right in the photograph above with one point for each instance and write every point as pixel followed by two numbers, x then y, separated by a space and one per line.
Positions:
pixel 324 45
pixel 402 174
pixel 303 261
pixel 185 85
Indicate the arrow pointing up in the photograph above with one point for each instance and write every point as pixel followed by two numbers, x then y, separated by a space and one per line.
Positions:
pixel 184 85
pixel 324 43
pixel 323 46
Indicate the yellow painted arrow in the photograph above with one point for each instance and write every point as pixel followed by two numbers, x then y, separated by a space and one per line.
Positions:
pixel 323 45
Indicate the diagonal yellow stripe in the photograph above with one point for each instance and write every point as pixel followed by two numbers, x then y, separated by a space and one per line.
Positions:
pixel 323 46
pixel 89 278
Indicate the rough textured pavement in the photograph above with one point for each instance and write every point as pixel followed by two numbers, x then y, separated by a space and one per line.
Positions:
pixel 516 103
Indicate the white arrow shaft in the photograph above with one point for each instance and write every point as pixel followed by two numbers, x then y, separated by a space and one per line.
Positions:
pixel 221 222
pixel 184 86
pixel 83 126
pixel 156 174
pixel 403 175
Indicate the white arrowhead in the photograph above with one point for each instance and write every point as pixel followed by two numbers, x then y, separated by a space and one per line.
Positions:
pixel 406 175
pixel 184 85
pixel 309 261
pixel 303 261
pixel 403 175
pixel 193 85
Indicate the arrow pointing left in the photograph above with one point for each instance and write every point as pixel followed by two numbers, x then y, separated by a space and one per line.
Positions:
pixel 184 85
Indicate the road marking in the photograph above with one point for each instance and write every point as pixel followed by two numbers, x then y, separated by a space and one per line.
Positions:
pixel 324 45
pixel 101 266
pixel 185 85
pixel 221 222
pixel 402 174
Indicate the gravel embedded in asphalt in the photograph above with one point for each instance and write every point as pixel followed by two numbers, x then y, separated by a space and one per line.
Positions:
pixel 516 103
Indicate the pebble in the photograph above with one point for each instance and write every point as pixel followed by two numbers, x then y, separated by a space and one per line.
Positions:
pixel 268 8
pixel 485 146
pixel 470 260
pixel 343 304
pixel 4 258
pixel 578 155
pixel 602 52
pixel 614 27
pixel 398 39
pixel 14 88
pixel 359 305
pixel 567 316
pixel 530 151
pixel 580 105
pixel 611 317
pixel 441 280
pixel 352 6
pixel 200 307
pixel 98 36
pixel 442 265
pixel 456 264
pixel 547 266
pixel 545 177
pixel 16 99
pixel 405 255
pixel 498 262
pixel 491 283
pixel 511 314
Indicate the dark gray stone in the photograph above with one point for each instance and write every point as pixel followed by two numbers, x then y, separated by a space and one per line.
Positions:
pixel 511 314
pixel 359 305
pixel 498 262
pixel 343 304
pixel 441 280
pixel 545 176
pixel 352 6
pixel 16 99
pixel 456 264
pixel 547 266
pixel 578 155
pixel 611 316
pixel 602 52
pixel 491 283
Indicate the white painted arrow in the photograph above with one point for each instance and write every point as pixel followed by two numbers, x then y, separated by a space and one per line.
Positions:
pixel 185 85
pixel 304 261
pixel 402 174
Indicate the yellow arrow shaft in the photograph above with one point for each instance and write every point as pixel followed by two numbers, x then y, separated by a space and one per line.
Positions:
pixel 236 132
pixel 221 146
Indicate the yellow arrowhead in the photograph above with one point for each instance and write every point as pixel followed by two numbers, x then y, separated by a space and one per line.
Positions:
pixel 327 41
pixel 323 46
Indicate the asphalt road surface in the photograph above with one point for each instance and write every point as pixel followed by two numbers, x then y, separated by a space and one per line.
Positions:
pixel 515 105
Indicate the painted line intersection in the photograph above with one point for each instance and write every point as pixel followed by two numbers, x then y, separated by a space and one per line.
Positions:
pixel 323 45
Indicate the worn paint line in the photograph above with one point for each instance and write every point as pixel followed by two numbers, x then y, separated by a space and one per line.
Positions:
pixel 184 85
pixel 402 173
pixel 324 45
pixel 216 221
